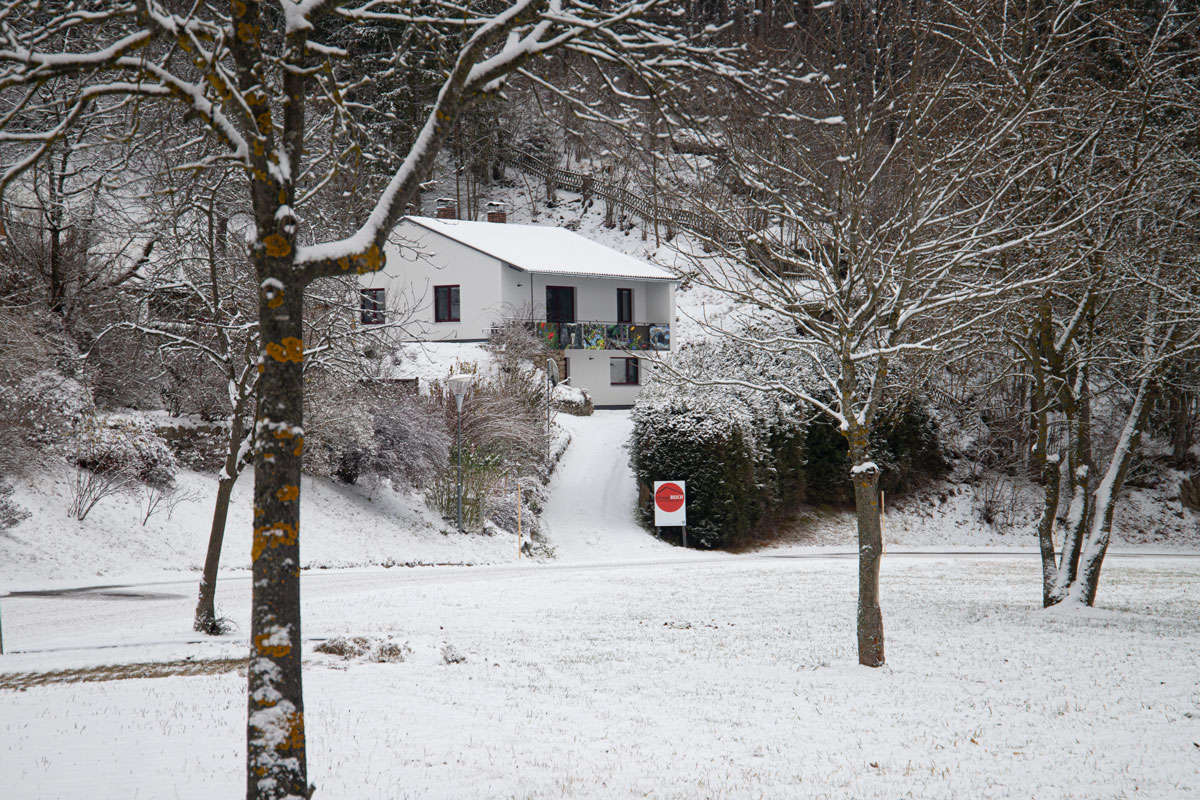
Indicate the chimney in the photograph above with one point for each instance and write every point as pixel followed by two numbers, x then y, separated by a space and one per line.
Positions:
pixel 447 208
pixel 496 212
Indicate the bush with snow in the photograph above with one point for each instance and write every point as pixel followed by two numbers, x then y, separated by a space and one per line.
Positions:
pixel 572 400
pixel 741 452
pixel 10 512
pixel 125 444
pixel 905 445
pixel 373 430
pixel 39 414
pixel 503 441
pixel 748 455
pixel 115 454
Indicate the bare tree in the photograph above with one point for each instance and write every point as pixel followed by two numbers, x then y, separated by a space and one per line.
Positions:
pixel 1099 343
pixel 883 184
pixel 259 80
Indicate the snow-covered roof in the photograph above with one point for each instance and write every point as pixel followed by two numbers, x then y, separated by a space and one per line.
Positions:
pixel 544 249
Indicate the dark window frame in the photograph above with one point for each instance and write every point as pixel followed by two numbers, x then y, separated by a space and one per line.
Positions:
pixel 374 306
pixel 632 373
pixel 453 294
pixel 625 318
pixel 574 306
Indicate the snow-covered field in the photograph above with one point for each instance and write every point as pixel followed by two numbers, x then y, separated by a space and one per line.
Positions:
pixel 626 668
pixel 730 678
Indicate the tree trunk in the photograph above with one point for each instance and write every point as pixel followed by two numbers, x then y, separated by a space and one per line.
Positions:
pixel 1051 482
pixel 58 292
pixel 1106 496
pixel 870 549
pixel 276 763
pixel 1181 427
pixel 206 613
pixel 1078 515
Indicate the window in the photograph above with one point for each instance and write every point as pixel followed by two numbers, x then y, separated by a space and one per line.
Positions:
pixel 445 304
pixel 373 306
pixel 623 371
pixel 625 306
pixel 560 304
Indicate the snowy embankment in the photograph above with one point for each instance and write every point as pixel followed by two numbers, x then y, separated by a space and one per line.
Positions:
pixel 588 517
pixel 343 526
pixel 947 516
pixel 688 680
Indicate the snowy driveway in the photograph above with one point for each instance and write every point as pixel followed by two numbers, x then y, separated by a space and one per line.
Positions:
pixel 589 516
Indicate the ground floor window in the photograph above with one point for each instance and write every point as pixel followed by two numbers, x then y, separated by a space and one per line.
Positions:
pixel 623 371
pixel 373 306
pixel 445 304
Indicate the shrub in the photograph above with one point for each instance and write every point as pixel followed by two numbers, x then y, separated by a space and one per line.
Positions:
pixel 503 436
pixel 372 430
pixel 126 444
pixel 10 512
pixel 114 455
pixel 747 455
pixel 904 443
pixel 38 415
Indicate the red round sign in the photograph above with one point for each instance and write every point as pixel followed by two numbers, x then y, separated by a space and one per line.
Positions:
pixel 669 497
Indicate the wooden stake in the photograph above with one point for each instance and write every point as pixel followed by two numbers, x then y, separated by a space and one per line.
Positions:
pixel 518 521
pixel 882 519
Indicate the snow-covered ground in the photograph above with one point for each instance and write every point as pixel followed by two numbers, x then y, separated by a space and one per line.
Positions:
pixel 700 679
pixel 626 668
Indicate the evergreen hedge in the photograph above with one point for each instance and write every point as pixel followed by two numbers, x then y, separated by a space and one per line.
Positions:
pixel 740 452
pixel 746 455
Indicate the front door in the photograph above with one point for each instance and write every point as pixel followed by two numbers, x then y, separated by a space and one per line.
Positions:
pixel 560 303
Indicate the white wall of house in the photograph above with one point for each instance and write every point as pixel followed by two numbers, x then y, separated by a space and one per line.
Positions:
pixel 595 298
pixel 425 260
pixel 591 370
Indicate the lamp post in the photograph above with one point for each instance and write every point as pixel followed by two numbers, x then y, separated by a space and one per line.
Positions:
pixel 552 381
pixel 459 385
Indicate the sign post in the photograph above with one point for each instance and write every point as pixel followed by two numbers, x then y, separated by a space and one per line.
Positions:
pixel 670 505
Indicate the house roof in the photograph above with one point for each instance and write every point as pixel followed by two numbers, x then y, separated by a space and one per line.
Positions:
pixel 544 249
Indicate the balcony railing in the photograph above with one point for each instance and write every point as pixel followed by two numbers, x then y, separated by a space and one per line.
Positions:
pixel 600 335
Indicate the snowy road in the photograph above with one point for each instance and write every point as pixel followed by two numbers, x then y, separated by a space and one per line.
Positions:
pixel 589 516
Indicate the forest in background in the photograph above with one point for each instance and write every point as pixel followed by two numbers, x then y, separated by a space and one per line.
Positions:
pixel 990 204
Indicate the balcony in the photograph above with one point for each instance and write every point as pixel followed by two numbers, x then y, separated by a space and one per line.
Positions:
pixel 601 335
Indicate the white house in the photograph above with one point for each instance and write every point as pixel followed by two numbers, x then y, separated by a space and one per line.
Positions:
pixel 603 309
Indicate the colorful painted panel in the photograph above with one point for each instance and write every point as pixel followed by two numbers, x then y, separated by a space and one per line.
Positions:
pixel 618 336
pixel 548 333
pixel 593 336
pixel 639 337
pixel 660 337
